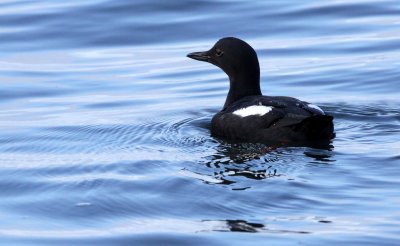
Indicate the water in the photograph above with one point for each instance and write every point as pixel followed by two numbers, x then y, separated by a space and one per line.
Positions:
pixel 105 124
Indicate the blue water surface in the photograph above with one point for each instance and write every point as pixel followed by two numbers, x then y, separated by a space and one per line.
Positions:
pixel 105 124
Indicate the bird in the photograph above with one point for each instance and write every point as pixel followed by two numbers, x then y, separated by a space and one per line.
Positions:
pixel 249 116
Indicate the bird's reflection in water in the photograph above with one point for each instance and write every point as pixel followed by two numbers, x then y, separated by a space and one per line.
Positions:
pixel 245 160
pixel 245 226
pixel 260 161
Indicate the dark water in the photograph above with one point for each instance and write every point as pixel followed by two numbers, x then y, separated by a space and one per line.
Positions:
pixel 105 124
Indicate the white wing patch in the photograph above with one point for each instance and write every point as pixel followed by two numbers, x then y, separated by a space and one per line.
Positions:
pixel 253 110
pixel 315 107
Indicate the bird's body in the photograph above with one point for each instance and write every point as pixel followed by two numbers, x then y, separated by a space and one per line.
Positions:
pixel 249 116
pixel 272 120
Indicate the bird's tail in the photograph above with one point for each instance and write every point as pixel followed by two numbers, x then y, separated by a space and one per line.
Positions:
pixel 317 127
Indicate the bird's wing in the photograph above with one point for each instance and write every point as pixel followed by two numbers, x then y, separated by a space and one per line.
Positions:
pixel 271 112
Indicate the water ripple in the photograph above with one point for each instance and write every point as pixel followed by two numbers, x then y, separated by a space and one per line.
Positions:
pixel 105 124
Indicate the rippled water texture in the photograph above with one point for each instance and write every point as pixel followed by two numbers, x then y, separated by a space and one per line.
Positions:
pixel 105 124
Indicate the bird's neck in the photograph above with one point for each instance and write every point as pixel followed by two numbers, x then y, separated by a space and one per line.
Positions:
pixel 243 86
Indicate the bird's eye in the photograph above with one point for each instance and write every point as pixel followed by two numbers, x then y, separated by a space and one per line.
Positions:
pixel 219 52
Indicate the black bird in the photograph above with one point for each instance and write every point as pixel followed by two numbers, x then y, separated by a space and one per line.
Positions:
pixel 249 116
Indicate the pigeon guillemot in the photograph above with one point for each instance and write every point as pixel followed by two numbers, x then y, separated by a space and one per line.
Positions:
pixel 249 116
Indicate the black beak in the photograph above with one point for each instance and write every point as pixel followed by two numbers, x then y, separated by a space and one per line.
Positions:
pixel 200 56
